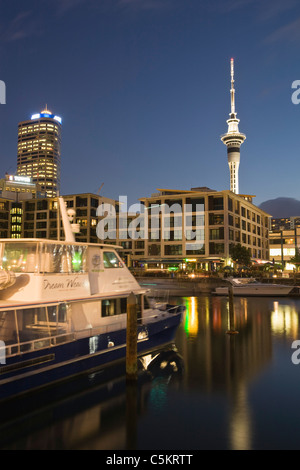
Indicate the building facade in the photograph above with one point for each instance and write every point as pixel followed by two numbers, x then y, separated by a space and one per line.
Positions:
pixel 174 227
pixel 284 239
pixel 39 151
pixel 41 217
pixel 200 225
pixel 19 188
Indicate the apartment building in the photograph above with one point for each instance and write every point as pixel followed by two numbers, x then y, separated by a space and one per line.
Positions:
pixel 198 225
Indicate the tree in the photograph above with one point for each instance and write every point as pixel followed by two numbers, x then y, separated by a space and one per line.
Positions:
pixel 240 254
pixel 296 259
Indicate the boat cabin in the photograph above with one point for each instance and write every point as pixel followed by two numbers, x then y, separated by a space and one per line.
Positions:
pixel 33 269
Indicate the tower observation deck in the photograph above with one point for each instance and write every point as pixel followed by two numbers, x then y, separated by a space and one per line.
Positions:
pixel 233 139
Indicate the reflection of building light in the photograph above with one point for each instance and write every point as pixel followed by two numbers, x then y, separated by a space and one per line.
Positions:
pixel 240 420
pixel 191 318
pixel 284 319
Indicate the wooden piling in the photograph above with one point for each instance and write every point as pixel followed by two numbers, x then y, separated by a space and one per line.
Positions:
pixel 232 330
pixel 131 338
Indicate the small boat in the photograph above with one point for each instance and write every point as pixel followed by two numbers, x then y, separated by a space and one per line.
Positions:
pixel 251 287
pixel 63 311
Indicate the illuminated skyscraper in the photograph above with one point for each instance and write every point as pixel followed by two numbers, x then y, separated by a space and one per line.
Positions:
pixel 233 139
pixel 39 143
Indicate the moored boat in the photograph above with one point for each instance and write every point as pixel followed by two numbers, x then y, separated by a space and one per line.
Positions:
pixel 251 287
pixel 63 308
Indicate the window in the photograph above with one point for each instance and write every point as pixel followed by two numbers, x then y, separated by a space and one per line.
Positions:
pixel 154 250
pixel 194 204
pixel 112 307
pixel 20 257
pixel 8 327
pixel 111 260
pixel 195 249
pixel 173 249
pixel 215 203
pixel 216 219
pixel 216 248
pixel 57 258
pixel 194 220
pixel 216 234
pixel 81 201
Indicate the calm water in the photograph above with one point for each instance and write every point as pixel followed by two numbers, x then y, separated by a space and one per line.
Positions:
pixel 218 391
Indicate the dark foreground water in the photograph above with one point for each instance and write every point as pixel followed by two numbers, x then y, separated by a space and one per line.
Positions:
pixel 215 391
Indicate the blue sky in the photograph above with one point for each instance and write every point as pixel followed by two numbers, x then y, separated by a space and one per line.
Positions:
pixel 143 90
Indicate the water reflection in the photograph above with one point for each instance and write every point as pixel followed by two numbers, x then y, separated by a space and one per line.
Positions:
pixel 284 319
pixel 227 365
pixel 213 391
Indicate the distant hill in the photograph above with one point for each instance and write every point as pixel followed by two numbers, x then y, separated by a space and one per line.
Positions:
pixel 281 207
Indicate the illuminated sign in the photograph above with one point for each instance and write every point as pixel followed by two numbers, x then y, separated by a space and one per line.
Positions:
pixel 47 115
pixel 20 179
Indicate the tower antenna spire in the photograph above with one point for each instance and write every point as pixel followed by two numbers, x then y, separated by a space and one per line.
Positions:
pixel 232 90
pixel 233 139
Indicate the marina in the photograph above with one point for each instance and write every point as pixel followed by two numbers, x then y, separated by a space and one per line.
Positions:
pixel 208 390
pixel 149 304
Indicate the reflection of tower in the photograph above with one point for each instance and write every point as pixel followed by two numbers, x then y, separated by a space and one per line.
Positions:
pixel 233 139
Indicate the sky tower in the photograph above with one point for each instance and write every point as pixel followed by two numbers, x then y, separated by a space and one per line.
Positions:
pixel 233 139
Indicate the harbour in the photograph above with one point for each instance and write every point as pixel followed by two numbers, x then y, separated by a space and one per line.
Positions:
pixel 149 304
pixel 208 390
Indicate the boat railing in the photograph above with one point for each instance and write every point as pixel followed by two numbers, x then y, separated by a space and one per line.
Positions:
pixel 56 340
pixel 67 337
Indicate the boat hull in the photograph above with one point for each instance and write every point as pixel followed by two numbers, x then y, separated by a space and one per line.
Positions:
pixel 261 291
pixel 30 371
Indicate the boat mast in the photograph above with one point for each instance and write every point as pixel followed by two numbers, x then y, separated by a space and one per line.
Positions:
pixel 69 235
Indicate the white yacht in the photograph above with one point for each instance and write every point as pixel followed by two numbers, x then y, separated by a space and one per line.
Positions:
pixel 250 287
pixel 63 311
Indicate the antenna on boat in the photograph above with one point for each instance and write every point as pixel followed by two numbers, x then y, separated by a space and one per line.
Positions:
pixel 69 234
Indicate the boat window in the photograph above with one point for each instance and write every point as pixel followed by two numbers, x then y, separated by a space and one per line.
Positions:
pixel 112 307
pixel 8 330
pixel 40 323
pixel 57 258
pixel 62 313
pixel 111 260
pixel 20 257
pixel 32 324
pixel 146 303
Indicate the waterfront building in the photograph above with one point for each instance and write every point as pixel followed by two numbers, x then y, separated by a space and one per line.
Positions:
pixel 233 139
pixel 284 239
pixel 39 150
pixel 41 217
pixel 285 223
pixel 18 188
pixel 196 226
pixel 280 223
pixel 14 190
pixel 33 215
pixel 283 243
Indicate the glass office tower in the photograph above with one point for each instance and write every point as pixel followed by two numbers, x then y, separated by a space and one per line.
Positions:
pixel 39 144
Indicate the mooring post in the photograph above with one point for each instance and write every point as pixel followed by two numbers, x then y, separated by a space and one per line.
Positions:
pixel 131 338
pixel 232 329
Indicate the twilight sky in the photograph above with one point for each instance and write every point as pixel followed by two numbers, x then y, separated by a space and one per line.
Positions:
pixel 143 87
